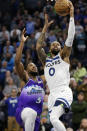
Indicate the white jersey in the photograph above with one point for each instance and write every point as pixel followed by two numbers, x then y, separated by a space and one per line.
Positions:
pixel 57 74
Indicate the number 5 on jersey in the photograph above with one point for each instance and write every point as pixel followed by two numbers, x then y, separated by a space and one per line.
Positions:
pixel 38 100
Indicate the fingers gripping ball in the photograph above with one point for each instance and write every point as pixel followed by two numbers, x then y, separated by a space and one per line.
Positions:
pixel 62 7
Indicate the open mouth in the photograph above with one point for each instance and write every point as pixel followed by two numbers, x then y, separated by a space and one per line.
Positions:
pixel 56 48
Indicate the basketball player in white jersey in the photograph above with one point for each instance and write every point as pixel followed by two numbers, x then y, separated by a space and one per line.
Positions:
pixel 56 70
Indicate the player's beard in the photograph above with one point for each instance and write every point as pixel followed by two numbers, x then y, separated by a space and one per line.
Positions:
pixel 33 73
pixel 55 52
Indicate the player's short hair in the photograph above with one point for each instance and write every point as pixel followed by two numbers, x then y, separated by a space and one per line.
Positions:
pixel 55 42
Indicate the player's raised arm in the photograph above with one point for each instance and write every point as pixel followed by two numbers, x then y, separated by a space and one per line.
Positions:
pixel 19 66
pixel 40 50
pixel 71 33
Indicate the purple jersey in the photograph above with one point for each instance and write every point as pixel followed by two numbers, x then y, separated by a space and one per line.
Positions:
pixel 31 96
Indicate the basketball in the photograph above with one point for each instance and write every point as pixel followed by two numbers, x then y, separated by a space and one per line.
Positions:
pixel 62 7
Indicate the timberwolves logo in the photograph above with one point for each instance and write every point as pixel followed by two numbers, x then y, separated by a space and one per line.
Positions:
pixel 53 63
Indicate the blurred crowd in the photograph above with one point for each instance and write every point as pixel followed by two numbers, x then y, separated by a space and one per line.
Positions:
pixel 12 22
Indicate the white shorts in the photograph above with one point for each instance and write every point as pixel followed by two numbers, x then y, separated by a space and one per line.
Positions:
pixel 64 95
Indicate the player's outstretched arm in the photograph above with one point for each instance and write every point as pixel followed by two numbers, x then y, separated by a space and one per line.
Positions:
pixel 71 33
pixel 39 48
pixel 19 66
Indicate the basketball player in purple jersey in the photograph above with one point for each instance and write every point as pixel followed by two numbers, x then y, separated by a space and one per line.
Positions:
pixel 31 97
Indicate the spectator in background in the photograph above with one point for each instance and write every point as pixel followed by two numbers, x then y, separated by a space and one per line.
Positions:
pixel 4 34
pixel 83 125
pixel 10 61
pixel 30 25
pixel 15 34
pixel 15 77
pixel 31 41
pixel 8 87
pixel 13 23
pixel 37 34
pixel 78 15
pixel 80 72
pixel 51 38
pixel 86 32
pixel 85 19
pixel 73 67
pixel 78 28
pixel 11 103
pixel 7 77
pixel 79 109
pixel 14 37
pixel 25 15
pixel 81 42
pixel 38 23
pixel 83 87
pixel 45 121
pixel 8 48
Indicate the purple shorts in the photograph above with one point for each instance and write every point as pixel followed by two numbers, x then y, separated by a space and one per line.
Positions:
pixel 19 120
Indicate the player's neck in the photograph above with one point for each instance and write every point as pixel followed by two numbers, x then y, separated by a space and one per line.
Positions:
pixel 53 55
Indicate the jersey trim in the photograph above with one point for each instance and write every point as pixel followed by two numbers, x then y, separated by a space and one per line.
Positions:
pixel 50 59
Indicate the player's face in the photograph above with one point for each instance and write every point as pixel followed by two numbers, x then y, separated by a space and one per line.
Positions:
pixel 55 48
pixel 32 69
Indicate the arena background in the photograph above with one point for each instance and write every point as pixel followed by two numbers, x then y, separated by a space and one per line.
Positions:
pixel 14 16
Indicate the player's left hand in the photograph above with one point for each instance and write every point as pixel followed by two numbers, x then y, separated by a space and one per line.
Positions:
pixel 24 38
pixel 47 24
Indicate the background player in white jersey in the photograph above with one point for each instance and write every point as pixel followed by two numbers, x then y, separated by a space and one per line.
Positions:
pixel 56 69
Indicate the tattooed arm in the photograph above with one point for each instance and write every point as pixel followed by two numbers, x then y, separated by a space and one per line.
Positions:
pixel 19 66
pixel 40 50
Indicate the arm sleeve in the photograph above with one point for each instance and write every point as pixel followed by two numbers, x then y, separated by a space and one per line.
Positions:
pixel 71 33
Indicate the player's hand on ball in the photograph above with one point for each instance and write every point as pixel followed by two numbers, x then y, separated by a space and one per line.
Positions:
pixel 24 38
pixel 47 24
pixel 71 9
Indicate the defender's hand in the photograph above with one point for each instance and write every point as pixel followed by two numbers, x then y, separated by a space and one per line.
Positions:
pixel 47 24
pixel 24 38
pixel 71 9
